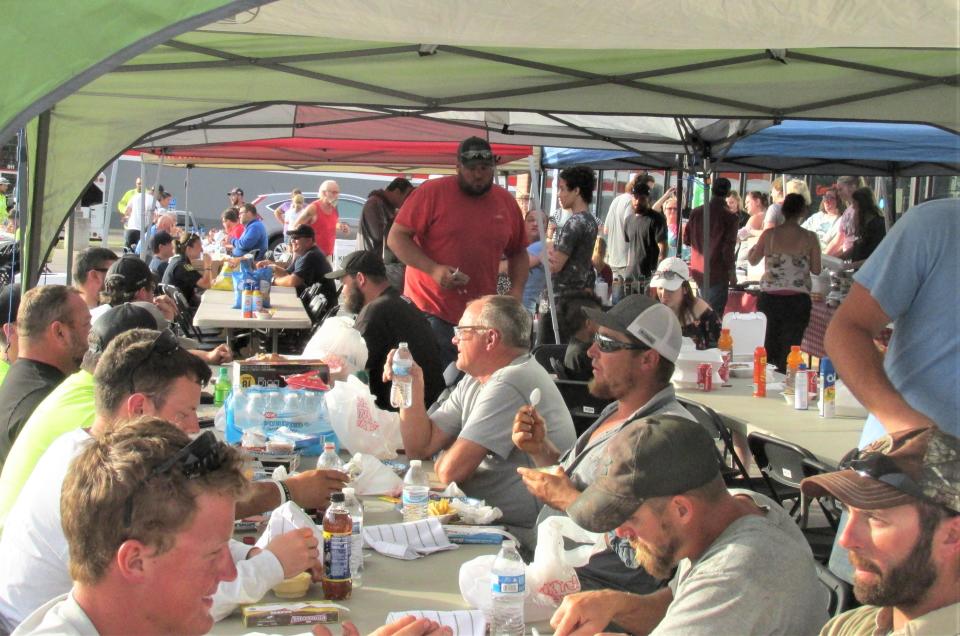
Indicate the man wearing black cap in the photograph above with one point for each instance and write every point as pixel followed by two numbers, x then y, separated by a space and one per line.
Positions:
pixel 308 267
pixel 645 232
pixel 52 328
pixel 723 242
pixel 375 223
pixel 235 197
pixel 130 279
pixel 9 305
pixel 451 233
pixel 743 565
pixel 385 319
pixel 902 495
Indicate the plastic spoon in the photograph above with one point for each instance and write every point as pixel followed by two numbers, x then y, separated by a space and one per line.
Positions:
pixel 535 397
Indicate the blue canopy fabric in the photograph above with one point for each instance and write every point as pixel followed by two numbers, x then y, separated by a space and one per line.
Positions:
pixel 810 147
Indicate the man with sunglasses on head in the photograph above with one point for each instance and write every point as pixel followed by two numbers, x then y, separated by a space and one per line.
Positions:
pixel 142 372
pixel 902 495
pixel 473 425
pixel 451 233
pixel 633 355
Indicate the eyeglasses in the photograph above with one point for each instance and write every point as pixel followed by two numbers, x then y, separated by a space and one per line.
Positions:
pixel 609 345
pixel 201 456
pixel 880 467
pixel 458 331
pixel 476 155
pixel 164 344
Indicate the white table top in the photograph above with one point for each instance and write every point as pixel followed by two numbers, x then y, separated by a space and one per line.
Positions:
pixel 827 438
pixel 216 311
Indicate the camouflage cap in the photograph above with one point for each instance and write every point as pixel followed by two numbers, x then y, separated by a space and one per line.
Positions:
pixel 655 457
pixel 897 469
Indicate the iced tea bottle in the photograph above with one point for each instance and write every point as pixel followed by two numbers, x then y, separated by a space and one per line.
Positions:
pixel 337 544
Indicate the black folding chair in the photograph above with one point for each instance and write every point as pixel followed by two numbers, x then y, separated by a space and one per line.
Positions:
pixel 550 357
pixel 735 474
pixel 781 465
pixel 838 591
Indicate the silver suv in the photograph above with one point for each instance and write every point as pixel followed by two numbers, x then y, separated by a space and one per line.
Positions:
pixel 349 207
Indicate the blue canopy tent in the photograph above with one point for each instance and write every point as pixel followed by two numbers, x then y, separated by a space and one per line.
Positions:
pixel 807 147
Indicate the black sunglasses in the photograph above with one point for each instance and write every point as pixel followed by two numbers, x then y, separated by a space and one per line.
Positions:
pixel 165 344
pixel 201 456
pixel 880 467
pixel 476 155
pixel 609 345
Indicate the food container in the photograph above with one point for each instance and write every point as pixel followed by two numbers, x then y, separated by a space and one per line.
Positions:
pixel 282 614
pixel 294 587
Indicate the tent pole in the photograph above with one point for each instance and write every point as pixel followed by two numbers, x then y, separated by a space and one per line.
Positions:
pixel 680 207
pixel 707 252
pixel 31 270
pixel 109 205
pixel 890 211
pixel 186 188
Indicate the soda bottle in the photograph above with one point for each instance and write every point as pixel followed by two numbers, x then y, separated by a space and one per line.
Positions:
pixel 223 387
pixel 401 392
pixel 329 460
pixel 256 298
pixel 337 542
pixel 828 388
pixel 508 586
pixel 794 358
pixel 800 395
pixel 725 345
pixel 246 301
pixel 416 492
pixel 760 372
pixel 355 508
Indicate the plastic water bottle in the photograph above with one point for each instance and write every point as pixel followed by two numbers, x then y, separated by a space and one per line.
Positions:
pixel 329 460
pixel 401 392
pixel 355 508
pixel 508 586
pixel 416 492
pixel 222 388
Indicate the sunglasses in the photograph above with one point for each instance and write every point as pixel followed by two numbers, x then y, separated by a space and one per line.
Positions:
pixel 609 345
pixel 201 456
pixel 165 344
pixel 669 275
pixel 880 467
pixel 476 155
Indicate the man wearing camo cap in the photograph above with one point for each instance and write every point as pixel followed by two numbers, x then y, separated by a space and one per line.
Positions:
pixel 743 565
pixel 903 534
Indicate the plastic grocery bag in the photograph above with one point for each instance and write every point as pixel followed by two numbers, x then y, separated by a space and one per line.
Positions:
pixel 373 477
pixel 336 336
pixel 550 577
pixel 359 424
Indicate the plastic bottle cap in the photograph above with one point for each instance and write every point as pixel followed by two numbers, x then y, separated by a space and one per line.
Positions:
pixel 329 446
pixel 415 463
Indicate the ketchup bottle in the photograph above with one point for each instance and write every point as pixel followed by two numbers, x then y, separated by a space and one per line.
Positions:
pixel 337 544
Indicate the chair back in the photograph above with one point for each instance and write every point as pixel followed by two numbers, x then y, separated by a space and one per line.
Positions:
pixel 780 460
pixel 734 472
pixel 838 591
pixel 315 307
pixel 309 293
pixel 184 311
pixel 550 357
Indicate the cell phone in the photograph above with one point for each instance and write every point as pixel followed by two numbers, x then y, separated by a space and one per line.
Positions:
pixel 205 422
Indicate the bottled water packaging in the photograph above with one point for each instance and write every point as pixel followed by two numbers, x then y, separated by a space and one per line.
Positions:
pixel 416 492
pixel 508 588
pixel 401 391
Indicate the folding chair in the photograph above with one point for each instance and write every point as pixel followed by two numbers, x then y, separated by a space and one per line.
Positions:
pixel 550 357
pixel 734 472
pixel 584 407
pixel 838 591
pixel 781 465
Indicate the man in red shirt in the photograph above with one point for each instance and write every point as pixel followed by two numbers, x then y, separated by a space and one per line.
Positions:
pixel 451 233
pixel 723 241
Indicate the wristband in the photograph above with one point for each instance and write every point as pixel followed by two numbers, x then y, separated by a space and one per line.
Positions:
pixel 285 495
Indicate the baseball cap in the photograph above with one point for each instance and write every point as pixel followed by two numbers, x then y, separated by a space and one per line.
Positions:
pixel 475 149
pixel 302 231
pixel 4 181
pixel 360 262
pixel 897 469
pixel 721 187
pixel 129 274
pixel 658 456
pixel 9 303
pixel 643 318
pixel 236 191
pixel 671 272
pixel 640 189
pixel 160 238
pixel 118 320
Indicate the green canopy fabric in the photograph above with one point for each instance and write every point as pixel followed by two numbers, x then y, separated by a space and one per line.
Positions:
pixel 511 62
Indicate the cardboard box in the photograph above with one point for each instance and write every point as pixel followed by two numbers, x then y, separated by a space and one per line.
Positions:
pixel 283 614
pixel 266 373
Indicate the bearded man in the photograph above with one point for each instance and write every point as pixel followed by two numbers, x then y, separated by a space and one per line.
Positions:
pixel 633 357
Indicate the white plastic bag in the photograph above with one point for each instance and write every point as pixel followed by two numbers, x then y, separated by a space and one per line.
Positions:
pixel 337 337
pixel 359 424
pixel 549 578
pixel 374 477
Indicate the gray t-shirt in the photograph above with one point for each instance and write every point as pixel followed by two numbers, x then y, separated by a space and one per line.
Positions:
pixel 483 413
pixel 606 569
pixel 757 577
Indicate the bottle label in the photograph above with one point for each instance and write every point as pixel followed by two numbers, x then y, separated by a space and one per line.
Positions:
pixel 400 368
pixel 509 584
pixel 336 555
pixel 415 496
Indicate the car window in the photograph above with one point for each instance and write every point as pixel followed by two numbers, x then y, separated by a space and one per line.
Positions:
pixel 349 209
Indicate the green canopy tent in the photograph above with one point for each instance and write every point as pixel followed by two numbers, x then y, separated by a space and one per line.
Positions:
pixel 564 61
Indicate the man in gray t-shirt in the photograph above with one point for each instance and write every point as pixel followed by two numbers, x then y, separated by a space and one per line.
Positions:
pixel 743 566
pixel 473 425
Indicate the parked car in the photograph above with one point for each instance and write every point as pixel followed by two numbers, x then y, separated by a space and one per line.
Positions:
pixel 349 208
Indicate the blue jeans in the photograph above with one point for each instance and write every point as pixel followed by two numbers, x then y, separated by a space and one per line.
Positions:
pixel 716 296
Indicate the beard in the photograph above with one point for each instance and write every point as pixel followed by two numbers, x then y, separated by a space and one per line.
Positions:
pixel 905 584
pixel 354 302
pixel 474 191
pixel 658 561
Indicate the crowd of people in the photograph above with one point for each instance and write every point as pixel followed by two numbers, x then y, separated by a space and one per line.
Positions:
pixel 99 409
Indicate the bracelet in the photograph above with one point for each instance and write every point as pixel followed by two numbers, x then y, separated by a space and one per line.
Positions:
pixel 285 495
